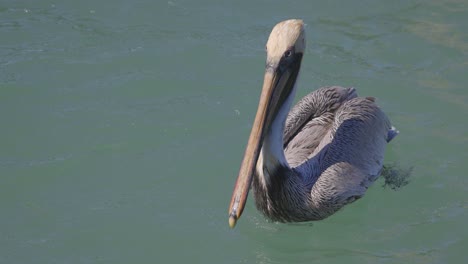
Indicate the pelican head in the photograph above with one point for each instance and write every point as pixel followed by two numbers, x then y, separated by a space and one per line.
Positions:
pixel 285 48
pixel 286 39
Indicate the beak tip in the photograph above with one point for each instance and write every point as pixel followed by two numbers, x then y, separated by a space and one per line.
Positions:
pixel 232 221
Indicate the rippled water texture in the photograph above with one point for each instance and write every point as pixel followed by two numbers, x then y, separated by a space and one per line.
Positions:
pixel 123 125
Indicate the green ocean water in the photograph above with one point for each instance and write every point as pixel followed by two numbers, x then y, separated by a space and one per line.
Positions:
pixel 123 125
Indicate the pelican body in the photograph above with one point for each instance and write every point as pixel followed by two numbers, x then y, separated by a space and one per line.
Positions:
pixel 307 163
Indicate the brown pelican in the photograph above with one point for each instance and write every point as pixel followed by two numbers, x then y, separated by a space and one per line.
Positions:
pixel 306 164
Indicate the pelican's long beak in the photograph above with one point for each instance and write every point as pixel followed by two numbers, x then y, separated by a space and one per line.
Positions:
pixel 278 83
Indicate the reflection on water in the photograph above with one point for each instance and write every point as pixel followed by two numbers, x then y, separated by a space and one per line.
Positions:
pixel 447 35
pixel 395 175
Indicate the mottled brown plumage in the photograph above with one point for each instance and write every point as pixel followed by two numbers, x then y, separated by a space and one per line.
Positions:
pixel 335 152
pixel 307 164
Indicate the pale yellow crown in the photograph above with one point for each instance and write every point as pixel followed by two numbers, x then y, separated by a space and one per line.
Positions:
pixel 286 34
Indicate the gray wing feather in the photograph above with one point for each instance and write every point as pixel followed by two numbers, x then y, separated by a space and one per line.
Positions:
pixel 310 119
pixel 336 142
pixel 350 156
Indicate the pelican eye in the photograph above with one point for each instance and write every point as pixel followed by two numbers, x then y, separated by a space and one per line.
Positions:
pixel 288 53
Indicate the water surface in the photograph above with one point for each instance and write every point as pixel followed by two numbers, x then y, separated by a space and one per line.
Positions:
pixel 124 124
